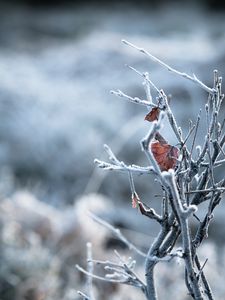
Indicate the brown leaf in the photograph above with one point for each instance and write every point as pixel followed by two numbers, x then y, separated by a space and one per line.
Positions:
pixel 153 114
pixel 165 154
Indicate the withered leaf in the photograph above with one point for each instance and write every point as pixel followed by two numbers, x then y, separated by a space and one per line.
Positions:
pixel 165 155
pixel 153 115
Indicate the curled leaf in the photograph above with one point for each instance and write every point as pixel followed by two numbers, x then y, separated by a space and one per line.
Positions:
pixel 165 154
pixel 153 115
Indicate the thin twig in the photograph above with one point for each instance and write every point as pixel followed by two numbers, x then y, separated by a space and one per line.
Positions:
pixel 155 59
pixel 135 100
pixel 100 277
pixel 90 269
pixel 145 77
pixel 123 167
pixel 195 134
pixel 118 234
pixel 147 87
pixel 84 296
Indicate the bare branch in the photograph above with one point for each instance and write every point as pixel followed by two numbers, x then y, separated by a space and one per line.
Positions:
pixel 117 233
pixel 183 215
pixel 195 134
pixel 124 168
pixel 147 87
pixel 135 100
pixel 84 296
pixel 144 75
pixel 155 59
pixel 191 183
pixel 100 277
pixel 90 270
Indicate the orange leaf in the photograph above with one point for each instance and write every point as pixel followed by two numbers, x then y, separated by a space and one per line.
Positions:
pixel 153 114
pixel 165 155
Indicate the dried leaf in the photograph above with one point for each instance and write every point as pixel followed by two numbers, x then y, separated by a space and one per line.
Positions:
pixel 165 154
pixel 153 114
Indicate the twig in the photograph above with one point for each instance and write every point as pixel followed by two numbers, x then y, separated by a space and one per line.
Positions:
pixel 147 140
pixel 183 215
pixel 147 87
pixel 155 59
pixel 117 233
pixel 144 75
pixel 180 197
pixel 99 277
pixel 189 134
pixel 90 269
pixel 195 134
pixel 135 100
pixel 208 290
pixel 121 272
pixel 172 119
pixel 84 296
pixel 123 167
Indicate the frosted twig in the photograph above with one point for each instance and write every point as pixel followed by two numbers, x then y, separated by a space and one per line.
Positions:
pixel 208 290
pixel 89 295
pixel 155 59
pixel 121 272
pixel 135 100
pixel 212 122
pixel 84 296
pixel 124 168
pixel 171 118
pixel 184 188
pixel 216 163
pixel 147 140
pixel 117 233
pixel 144 75
pixel 131 180
pixel 90 270
pixel 99 277
pixel 147 87
pixel 189 134
pixel 195 134
pixel 206 190
pixel 183 215
pixel 120 165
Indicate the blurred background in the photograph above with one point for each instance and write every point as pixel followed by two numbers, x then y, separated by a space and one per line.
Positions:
pixel 58 62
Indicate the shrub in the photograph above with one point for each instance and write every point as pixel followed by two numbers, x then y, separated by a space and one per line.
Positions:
pixel 186 173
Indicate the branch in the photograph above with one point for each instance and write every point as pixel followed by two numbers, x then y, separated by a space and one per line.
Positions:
pixel 117 165
pixel 135 100
pixel 84 296
pixel 155 59
pixel 171 118
pixel 156 126
pixel 117 233
pixel 122 272
pixel 90 270
pixel 123 167
pixel 99 277
pixel 183 215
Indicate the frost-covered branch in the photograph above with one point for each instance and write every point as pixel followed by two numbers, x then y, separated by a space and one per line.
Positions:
pixel 117 233
pixel 187 179
pixel 192 78
pixel 117 165
pixel 135 100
